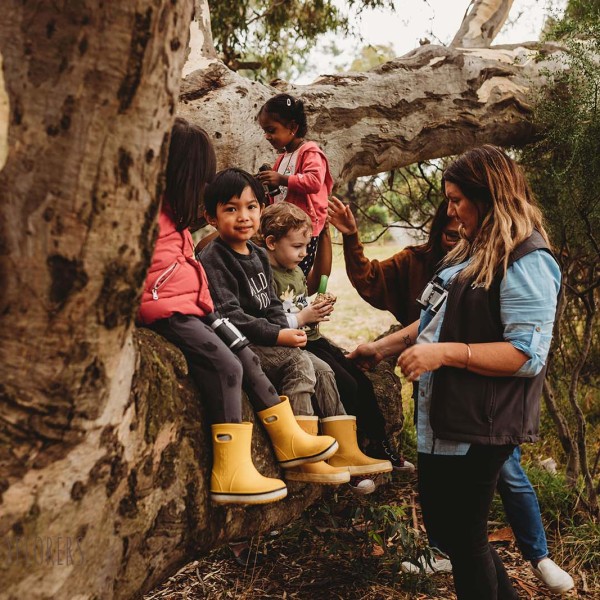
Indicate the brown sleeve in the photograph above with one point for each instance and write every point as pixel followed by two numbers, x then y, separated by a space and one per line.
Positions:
pixel 383 284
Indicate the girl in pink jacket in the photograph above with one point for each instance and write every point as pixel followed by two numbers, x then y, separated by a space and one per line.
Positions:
pixel 176 303
pixel 301 171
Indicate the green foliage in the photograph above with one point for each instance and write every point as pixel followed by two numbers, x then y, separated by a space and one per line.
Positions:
pixel 564 169
pixel 370 537
pixel 406 197
pixel 374 222
pixel 264 34
pixel 580 12
pixel 575 539
pixel 372 56
pixel 580 546
pixel 557 499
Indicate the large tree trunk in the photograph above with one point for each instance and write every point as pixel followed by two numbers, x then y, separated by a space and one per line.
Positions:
pixel 92 91
pixel 104 455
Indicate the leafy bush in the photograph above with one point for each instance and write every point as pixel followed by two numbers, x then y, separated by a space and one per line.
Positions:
pixel 564 169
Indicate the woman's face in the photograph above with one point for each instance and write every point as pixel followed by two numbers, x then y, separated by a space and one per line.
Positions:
pixel 465 211
pixel 450 235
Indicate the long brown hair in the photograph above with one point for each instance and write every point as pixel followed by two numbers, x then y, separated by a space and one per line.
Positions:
pixel 190 167
pixel 508 212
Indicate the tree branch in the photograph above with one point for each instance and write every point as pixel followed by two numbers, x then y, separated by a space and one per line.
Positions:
pixel 201 49
pixel 432 102
pixel 482 23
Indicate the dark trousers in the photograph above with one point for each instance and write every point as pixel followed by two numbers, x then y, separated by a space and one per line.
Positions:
pixel 456 493
pixel 216 370
pixel 355 388
pixel 309 259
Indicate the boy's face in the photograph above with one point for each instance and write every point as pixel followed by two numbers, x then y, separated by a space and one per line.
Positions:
pixel 289 251
pixel 276 133
pixel 237 220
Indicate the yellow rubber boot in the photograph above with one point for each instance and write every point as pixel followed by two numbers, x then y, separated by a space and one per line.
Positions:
pixel 292 445
pixel 319 472
pixel 343 429
pixel 235 479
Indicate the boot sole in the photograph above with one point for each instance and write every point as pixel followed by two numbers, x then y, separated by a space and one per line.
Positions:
pixel 262 498
pixel 319 479
pixel 404 469
pixel 368 469
pixel 304 460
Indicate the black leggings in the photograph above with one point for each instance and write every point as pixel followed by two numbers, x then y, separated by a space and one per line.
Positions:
pixel 456 493
pixel 216 370
pixel 355 388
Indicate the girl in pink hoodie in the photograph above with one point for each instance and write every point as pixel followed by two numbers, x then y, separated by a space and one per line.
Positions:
pixel 301 172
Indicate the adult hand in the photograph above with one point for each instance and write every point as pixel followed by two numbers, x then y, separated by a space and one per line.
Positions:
pixel 314 313
pixel 417 359
pixel 270 178
pixel 341 217
pixel 366 356
pixel 293 338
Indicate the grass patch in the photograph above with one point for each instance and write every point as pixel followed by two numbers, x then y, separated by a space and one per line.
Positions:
pixel 355 321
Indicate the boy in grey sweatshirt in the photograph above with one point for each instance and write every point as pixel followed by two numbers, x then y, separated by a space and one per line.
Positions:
pixel 241 285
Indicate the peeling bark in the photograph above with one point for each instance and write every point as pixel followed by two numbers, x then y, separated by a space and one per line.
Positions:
pixel 132 498
pixel 482 23
pixel 432 102
pixel 201 51
pixel 4 110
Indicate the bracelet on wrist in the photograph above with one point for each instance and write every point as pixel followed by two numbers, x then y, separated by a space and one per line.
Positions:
pixel 469 353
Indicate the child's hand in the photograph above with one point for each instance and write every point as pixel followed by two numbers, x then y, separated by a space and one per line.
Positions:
pixel 314 313
pixel 293 338
pixel 271 178
pixel 341 217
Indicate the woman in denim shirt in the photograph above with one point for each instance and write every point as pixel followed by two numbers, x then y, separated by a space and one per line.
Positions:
pixel 479 370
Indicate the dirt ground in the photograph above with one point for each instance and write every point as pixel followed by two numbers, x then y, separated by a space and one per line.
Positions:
pixel 332 553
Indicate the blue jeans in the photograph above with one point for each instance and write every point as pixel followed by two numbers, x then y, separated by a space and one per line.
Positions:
pixel 522 508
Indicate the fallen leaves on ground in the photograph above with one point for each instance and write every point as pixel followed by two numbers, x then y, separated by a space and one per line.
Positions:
pixel 300 563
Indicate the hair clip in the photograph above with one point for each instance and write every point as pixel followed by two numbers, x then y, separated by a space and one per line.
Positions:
pixel 288 102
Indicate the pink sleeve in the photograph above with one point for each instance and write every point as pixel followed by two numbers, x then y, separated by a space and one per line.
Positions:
pixel 310 174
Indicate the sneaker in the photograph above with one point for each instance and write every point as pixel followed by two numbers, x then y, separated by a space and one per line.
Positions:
pixel 362 486
pixel 441 565
pixel 246 556
pixel 556 580
pixel 385 449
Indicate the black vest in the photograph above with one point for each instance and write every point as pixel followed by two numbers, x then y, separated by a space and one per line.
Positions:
pixel 467 407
